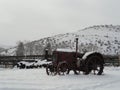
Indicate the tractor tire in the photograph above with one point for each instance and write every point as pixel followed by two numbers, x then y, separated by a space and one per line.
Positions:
pixel 51 70
pixel 62 68
pixel 94 63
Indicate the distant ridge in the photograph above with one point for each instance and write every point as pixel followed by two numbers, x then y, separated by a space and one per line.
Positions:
pixel 101 38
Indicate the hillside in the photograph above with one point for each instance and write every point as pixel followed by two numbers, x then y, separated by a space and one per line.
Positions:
pixel 1 49
pixel 101 38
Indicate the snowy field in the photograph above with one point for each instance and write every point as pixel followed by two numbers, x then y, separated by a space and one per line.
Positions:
pixel 36 79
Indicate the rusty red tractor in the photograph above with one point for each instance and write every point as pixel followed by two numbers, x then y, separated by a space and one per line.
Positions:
pixel 64 60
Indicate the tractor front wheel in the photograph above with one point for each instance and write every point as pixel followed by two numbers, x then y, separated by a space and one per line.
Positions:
pixel 51 70
pixel 62 68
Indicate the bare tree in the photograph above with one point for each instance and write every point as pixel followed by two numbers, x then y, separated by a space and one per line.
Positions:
pixel 20 49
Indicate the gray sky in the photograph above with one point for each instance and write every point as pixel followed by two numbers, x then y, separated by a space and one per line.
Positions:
pixel 34 19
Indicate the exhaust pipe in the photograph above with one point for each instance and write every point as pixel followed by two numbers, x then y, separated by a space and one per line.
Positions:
pixel 76 47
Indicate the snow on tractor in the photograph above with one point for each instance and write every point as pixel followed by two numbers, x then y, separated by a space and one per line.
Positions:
pixel 64 60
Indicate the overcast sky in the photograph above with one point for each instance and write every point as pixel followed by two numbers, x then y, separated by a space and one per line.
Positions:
pixel 35 19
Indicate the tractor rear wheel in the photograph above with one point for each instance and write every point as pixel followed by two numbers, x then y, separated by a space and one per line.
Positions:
pixel 94 63
pixel 51 70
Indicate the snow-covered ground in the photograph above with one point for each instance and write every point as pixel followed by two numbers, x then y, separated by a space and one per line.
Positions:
pixel 36 79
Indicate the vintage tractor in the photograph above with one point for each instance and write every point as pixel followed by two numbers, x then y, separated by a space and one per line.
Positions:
pixel 64 60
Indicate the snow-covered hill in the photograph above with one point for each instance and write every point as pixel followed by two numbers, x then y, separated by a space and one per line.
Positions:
pixel 5 46
pixel 101 38
pixel 1 49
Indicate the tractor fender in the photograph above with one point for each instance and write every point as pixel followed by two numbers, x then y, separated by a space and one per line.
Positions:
pixel 89 54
